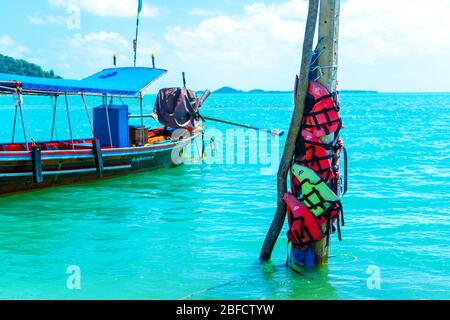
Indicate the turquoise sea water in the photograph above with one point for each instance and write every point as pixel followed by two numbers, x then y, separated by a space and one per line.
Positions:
pixel 196 231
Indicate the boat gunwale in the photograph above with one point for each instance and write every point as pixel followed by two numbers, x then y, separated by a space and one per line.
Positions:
pixel 53 154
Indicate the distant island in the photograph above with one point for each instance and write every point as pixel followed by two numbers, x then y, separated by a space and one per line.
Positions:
pixel 229 90
pixel 23 68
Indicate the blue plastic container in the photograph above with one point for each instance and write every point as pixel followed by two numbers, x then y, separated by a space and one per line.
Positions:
pixel 118 119
pixel 304 258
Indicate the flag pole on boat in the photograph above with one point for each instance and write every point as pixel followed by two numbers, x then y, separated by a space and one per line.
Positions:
pixel 135 42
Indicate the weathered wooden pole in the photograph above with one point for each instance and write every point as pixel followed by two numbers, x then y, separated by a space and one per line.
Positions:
pixel 286 160
pixel 327 62
pixel 329 42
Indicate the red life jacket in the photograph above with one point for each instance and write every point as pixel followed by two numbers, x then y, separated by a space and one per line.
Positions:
pixel 338 183
pixel 334 213
pixel 321 114
pixel 316 155
pixel 304 229
pixel 321 118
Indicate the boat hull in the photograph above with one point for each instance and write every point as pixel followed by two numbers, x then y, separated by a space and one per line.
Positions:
pixel 73 166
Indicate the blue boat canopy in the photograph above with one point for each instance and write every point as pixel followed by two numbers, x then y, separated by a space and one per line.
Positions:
pixel 123 82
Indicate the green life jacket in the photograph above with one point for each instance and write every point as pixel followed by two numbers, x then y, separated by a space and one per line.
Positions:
pixel 314 192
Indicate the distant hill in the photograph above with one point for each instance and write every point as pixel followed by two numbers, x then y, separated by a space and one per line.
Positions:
pixel 23 68
pixel 229 90
pixel 358 91
pixel 260 91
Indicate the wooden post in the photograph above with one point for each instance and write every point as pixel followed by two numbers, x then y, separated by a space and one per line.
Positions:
pixel 328 61
pixel 302 88
pixel 36 164
pixel 328 45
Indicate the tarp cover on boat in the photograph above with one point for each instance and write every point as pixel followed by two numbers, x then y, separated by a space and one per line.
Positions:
pixel 177 108
pixel 126 82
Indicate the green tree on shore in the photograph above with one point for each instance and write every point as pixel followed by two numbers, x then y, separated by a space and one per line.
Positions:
pixel 24 68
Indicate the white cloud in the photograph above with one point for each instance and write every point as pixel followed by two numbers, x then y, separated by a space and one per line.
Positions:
pixel 109 8
pixel 383 44
pixel 9 47
pixel 88 53
pixel 203 12
pixel 251 40
pixel 50 19
pixel 375 30
pixel 266 39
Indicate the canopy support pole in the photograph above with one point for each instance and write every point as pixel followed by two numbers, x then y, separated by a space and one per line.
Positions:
pixel 328 63
pixel 19 105
pixel 142 118
pixel 70 124
pixel 286 161
pixel 14 125
pixel 107 120
pixel 87 114
pixel 54 117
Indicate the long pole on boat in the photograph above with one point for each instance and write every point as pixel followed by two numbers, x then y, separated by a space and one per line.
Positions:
pixel 141 106
pixel 274 132
pixel 327 66
pixel 294 130
pixel 135 42
pixel 14 125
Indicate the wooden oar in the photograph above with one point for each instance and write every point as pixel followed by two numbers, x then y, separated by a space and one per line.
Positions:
pixel 271 131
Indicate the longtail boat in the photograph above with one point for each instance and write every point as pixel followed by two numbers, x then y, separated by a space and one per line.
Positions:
pixel 115 148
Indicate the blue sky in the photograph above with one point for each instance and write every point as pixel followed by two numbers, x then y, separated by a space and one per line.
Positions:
pixel 385 45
